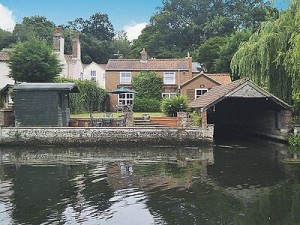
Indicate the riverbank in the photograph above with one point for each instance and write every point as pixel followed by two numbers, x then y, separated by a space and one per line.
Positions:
pixel 102 136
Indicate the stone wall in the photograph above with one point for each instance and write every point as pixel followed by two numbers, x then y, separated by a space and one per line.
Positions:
pixel 104 136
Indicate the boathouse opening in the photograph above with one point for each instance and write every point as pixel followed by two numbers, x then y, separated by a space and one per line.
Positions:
pixel 242 107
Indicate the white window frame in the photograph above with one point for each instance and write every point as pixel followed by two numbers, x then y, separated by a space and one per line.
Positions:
pixel 202 90
pixel 125 77
pixel 169 77
pixel 94 75
pixel 125 98
pixel 168 95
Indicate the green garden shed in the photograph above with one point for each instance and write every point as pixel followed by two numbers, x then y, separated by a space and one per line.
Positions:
pixel 43 104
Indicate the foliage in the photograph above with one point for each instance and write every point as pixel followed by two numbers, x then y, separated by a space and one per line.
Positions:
pixel 37 27
pixel 6 39
pixel 90 98
pixel 1 101
pixel 295 120
pixel 294 142
pixel 147 85
pixel 271 56
pixel 209 51
pixel 33 61
pixel 170 106
pixel 196 117
pixel 178 27
pixel 97 26
pixel 146 105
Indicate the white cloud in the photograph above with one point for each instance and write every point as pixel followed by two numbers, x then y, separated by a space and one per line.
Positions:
pixel 7 21
pixel 134 31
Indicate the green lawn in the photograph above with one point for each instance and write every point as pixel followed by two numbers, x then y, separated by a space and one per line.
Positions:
pixel 115 114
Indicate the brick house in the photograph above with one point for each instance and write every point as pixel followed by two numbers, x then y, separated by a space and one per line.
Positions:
pixel 179 75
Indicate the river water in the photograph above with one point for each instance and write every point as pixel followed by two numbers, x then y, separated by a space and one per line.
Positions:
pixel 228 182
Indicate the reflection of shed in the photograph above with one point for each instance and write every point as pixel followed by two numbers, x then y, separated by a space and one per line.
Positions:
pixel 43 104
pixel 242 106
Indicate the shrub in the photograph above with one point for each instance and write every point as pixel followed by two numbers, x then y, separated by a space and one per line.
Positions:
pixel 146 105
pixel 294 142
pixel 196 117
pixel 170 106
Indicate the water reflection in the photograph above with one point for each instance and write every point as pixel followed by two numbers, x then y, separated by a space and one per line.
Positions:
pixel 229 183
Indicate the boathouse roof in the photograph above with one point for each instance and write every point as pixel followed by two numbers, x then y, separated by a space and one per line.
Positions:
pixel 242 88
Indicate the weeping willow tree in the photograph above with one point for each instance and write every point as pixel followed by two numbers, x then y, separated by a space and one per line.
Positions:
pixel 271 57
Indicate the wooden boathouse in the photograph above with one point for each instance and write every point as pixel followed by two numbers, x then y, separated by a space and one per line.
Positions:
pixel 244 107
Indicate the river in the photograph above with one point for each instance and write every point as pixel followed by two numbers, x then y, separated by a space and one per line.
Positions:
pixel 229 182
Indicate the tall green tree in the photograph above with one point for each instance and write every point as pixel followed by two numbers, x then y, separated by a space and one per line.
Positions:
pixel 6 39
pixel 33 61
pixel 98 26
pixel 271 56
pixel 180 26
pixel 38 27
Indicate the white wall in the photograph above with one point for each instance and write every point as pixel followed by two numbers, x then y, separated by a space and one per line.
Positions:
pixel 4 71
pixel 100 74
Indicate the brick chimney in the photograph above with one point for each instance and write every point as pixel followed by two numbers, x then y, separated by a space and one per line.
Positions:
pixel 144 56
pixel 190 66
pixel 59 41
pixel 76 49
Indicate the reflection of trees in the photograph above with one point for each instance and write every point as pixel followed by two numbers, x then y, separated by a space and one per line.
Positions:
pixel 199 204
pixel 44 193
pixel 281 206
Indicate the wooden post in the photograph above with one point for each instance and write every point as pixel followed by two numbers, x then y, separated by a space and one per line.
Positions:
pixel 204 119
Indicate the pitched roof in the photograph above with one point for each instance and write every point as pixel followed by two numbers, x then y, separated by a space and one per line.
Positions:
pixel 150 64
pixel 218 93
pixel 222 78
pixel 218 78
pixel 47 86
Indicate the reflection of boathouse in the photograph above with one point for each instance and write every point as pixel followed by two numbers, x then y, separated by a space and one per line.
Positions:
pixel 242 106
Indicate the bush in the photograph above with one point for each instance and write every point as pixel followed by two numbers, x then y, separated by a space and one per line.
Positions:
pixel 294 142
pixel 196 117
pixel 170 106
pixel 146 105
pixel 90 98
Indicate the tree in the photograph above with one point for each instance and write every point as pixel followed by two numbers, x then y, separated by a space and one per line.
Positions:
pixel 6 39
pixel 148 86
pixel 37 27
pixel 271 56
pixel 98 26
pixel 180 26
pixel 33 61
pixel 209 52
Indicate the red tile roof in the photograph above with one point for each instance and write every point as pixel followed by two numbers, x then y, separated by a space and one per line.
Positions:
pixel 218 93
pixel 4 54
pixel 222 78
pixel 150 64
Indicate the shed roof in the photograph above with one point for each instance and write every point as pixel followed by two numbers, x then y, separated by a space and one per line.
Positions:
pixel 150 64
pixel 242 88
pixel 71 87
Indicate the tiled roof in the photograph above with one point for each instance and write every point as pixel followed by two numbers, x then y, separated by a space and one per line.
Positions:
pixel 68 58
pixel 150 64
pixel 214 94
pixel 222 78
pixel 218 93
pixel 4 56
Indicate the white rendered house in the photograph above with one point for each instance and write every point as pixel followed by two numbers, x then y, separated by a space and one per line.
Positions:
pixel 95 72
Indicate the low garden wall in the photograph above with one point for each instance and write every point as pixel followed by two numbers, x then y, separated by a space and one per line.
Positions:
pixel 98 136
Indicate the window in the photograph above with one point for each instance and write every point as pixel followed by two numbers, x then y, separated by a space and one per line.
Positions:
pixel 168 95
pixel 169 77
pixel 126 99
pixel 125 78
pixel 200 91
pixel 93 75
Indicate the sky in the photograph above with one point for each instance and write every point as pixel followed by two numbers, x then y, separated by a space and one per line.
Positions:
pixel 129 15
